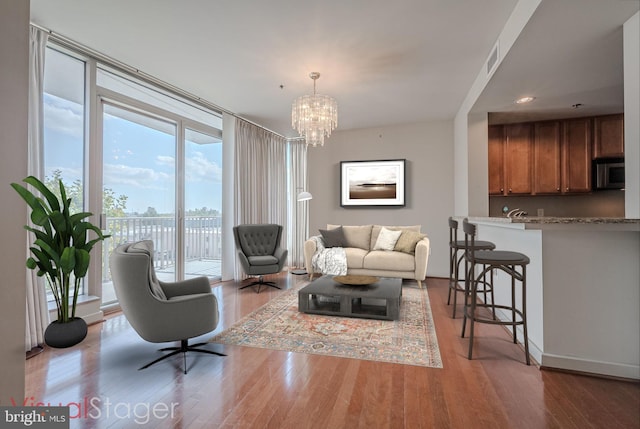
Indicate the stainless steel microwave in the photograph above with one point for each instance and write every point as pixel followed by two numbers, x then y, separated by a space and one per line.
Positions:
pixel 608 174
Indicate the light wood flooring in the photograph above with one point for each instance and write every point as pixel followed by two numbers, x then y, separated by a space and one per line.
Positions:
pixel 258 388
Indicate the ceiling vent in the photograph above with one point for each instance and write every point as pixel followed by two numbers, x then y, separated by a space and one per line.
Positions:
pixel 493 59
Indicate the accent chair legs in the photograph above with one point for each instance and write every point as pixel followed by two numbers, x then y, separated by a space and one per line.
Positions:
pixel 184 348
pixel 261 282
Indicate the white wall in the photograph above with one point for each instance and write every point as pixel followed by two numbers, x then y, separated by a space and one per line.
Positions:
pixel 631 34
pixel 467 139
pixel 591 314
pixel 578 319
pixel 14 51
pixel 478 167
pixel 428 149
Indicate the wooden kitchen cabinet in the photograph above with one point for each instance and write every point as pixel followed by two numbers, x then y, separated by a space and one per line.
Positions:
pixel 541 158
pixel 547 158
pixel 608 139
pixel 496 160
pixel 576 155
pixel 517 158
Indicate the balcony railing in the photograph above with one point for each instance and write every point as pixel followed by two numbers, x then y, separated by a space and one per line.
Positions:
pixel 202 239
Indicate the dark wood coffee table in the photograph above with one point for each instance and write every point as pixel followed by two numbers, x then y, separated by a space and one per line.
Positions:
pixel 380 300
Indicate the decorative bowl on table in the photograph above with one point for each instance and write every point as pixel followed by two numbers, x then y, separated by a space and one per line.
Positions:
pixel 352 280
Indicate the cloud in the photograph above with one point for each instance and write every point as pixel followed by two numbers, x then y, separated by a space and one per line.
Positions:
pixel 199 169
pixel 144 178
pixel 63 116
pixel 372 174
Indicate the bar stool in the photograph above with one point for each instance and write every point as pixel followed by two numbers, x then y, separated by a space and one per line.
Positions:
pixel 454 265
pixel 503 260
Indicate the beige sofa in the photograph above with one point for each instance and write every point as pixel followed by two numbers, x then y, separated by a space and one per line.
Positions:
pixel 362 260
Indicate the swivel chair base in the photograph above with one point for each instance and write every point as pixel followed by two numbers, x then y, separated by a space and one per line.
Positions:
pixel 261 282
pixel 184 348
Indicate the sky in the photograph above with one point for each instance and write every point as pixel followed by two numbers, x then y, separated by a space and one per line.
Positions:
pixel 139 161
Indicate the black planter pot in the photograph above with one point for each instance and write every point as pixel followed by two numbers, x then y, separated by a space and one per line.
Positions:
pixel 62 335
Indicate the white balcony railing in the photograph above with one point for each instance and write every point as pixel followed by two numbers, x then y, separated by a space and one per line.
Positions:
pixel 202 239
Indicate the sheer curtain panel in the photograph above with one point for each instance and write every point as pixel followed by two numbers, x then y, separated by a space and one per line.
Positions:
pixel 299 210
pixel 260 179
pixel 37 311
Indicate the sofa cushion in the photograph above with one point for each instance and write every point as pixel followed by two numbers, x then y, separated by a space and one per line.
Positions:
pixel 375 231
pixel 356 236
pixel 333 237
pixel 393 261
pixel 355 257
pixel 407 241
pixel 387 239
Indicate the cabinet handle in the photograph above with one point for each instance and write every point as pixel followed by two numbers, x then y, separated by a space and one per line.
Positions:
pixel 501 189
pixel 509 190
pixel 557 189
pixel 567 189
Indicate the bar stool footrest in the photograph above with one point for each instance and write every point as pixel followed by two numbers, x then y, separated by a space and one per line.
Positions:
pixel 480 319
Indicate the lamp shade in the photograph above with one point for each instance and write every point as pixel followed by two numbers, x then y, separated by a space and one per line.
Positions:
pixel 304 196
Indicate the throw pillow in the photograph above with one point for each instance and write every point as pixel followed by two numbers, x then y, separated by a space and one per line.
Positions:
pixel 408 240
pixel 333 237
pixel 355 236
pixel 387 239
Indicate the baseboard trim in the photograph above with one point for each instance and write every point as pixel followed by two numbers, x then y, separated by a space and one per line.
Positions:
pixel 88 308
pixel 571 363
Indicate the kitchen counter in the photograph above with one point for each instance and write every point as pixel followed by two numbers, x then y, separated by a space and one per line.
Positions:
pixel 583 289
pixel 553 220
pixel 550 222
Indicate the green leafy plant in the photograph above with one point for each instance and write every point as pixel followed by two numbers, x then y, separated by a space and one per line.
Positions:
pixel 61 251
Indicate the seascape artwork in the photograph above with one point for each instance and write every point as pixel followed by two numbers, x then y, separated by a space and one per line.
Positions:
pixel 372 182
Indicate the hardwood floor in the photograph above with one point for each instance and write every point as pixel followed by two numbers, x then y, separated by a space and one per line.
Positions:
pixel 257 388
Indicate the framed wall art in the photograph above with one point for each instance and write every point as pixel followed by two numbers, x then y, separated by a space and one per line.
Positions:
pixel 372 183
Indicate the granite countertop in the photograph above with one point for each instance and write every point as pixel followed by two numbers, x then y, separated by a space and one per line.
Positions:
pixel 558 220
pixel 594 220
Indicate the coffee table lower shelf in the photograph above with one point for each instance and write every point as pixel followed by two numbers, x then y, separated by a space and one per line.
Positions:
pixel 380 300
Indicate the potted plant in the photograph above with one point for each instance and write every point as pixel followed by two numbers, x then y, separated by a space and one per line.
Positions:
pixel 60 253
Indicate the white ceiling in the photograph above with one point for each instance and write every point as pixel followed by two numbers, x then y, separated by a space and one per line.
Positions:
pixel 386 62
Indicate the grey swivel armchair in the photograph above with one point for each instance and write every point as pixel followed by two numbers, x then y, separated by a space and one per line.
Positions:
pixel 259 251
pixel 158 311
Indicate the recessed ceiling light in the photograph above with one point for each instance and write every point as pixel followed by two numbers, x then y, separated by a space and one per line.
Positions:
pixel 523 100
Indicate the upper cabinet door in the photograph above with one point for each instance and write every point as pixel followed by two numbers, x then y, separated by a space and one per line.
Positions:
pixel 576 148
pixel 518 158
pixel 546 158
pixel 496 160
pixel 608 139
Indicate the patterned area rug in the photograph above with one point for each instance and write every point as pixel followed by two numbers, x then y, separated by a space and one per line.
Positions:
pixel 278 325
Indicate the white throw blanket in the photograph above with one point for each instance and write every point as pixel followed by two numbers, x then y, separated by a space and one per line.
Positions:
pixel 329 260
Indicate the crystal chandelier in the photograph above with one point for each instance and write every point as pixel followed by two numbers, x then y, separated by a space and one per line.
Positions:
pixel 314 116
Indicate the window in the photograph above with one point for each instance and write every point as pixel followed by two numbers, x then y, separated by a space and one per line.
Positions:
pixel 148 160
pixel 64 125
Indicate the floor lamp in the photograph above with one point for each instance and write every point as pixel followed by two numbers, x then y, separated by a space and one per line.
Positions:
pixel 302 197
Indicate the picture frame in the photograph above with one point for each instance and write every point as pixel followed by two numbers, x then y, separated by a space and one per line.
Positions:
pixel 372 183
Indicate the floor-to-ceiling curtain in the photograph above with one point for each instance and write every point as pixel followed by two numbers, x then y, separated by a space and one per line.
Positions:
pixel 37 312
pixel 260 178
pixel 299 218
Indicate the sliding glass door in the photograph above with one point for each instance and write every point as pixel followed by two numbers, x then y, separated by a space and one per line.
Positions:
pixel 161 181
pixel 202 238
pixel 138 187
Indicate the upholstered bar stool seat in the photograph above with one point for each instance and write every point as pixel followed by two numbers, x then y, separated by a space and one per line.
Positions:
pixel 455 246
pixel 512 263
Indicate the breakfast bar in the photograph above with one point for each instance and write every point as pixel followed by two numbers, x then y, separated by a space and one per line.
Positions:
pixel 584 289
